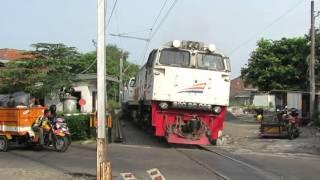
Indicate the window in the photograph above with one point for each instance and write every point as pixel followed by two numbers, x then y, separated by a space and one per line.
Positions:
pixel 175 57
pixel 228 65
pixel 210 61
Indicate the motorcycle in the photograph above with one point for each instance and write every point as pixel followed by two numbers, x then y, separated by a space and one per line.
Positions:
pixel 284 124
pixel 61 136
pixel 56 135
pixel 291 121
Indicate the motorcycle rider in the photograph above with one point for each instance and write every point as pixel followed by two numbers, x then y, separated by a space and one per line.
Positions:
pixel 37 126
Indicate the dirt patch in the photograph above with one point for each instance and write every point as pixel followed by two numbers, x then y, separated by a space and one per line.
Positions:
pixel 241 135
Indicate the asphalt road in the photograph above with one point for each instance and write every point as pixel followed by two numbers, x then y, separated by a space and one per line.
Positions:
pixel 141 152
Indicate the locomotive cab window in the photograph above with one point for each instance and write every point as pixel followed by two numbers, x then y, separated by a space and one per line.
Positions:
pixel 151 58
pixel 173 57
pixel 227 64
pixel 210 62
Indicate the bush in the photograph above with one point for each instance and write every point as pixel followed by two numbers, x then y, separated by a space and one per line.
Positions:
pixel 317 119
pixel 112 104
pixel 79 126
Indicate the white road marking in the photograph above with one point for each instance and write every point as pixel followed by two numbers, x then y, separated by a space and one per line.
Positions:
pixel 155 174
pixel 128 176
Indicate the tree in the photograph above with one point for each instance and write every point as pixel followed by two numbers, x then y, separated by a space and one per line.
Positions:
pixel 278 64
pixel 86 63
pixel 57 65
pixel 54 51
pixel 38 77
pixel 41 75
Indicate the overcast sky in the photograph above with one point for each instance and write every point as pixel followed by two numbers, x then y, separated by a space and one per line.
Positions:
pixel 233 26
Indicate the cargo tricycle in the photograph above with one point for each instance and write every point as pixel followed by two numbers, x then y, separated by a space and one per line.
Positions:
pixel 283 124
pixel 16 128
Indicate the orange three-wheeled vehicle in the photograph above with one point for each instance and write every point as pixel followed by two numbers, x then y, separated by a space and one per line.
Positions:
pixel 16 127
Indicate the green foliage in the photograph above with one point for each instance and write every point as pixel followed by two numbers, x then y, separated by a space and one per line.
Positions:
pixel 38 77
pixel 56 65
pixel 54 51
pixel 113 104
pixel 79 126
pixel 112 65
pixel 317 119
pixel 278 64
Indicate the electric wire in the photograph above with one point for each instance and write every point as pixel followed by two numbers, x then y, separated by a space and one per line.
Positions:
pixel 113 8
pixel 266 27
pixel 164 18
pixel 93 63
pixel 109 20
pixel 133 32
pixel 152 32
pixel 158 16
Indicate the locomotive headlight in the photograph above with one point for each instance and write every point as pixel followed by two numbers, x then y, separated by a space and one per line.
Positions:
pixel 212 47
pixel 217 109
pixel 164 105
pixel 176 43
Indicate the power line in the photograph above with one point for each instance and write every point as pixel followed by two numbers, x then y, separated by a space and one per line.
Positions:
pixel 164 18
pixel 95 60
pixel 145 50
pixel 156 20
pixel 153 33
pixel 113 8
pixel 266 27
pixel 133 32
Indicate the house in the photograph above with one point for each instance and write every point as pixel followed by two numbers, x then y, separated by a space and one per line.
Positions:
pixel 85 89
pixel 7 55
pixel 295 99
pixel 240 93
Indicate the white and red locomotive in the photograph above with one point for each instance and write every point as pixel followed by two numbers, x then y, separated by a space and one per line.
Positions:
pixel 181 92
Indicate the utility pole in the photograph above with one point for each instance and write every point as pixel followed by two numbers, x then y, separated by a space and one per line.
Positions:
pixel 103 169
pixel 312 63
pixel 121 80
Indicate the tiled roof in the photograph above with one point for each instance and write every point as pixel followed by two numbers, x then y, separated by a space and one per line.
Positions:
pixel 14 54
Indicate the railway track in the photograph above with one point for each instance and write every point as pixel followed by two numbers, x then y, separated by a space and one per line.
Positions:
pixel 215 162
pixel 204 165
pixel 233 164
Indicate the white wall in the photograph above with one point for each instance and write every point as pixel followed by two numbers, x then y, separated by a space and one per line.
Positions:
pixel 264 100
pixel 86 94
pixel 86 89
pixel 294 100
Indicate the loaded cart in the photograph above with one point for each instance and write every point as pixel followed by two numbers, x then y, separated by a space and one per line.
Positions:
pixel 17 123
pixel 16 127
pixel 283 124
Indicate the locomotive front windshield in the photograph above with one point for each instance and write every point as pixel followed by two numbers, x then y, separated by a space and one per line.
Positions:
pixel 173 57
pixel 210 61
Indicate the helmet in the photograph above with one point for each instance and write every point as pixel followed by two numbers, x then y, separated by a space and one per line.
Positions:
pixel 259 117
pixel 53 108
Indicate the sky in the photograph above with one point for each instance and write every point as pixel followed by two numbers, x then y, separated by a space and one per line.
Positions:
pixel 233 26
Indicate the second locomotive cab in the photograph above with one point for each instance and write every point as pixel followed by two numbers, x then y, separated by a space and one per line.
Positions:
pixel 181 93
